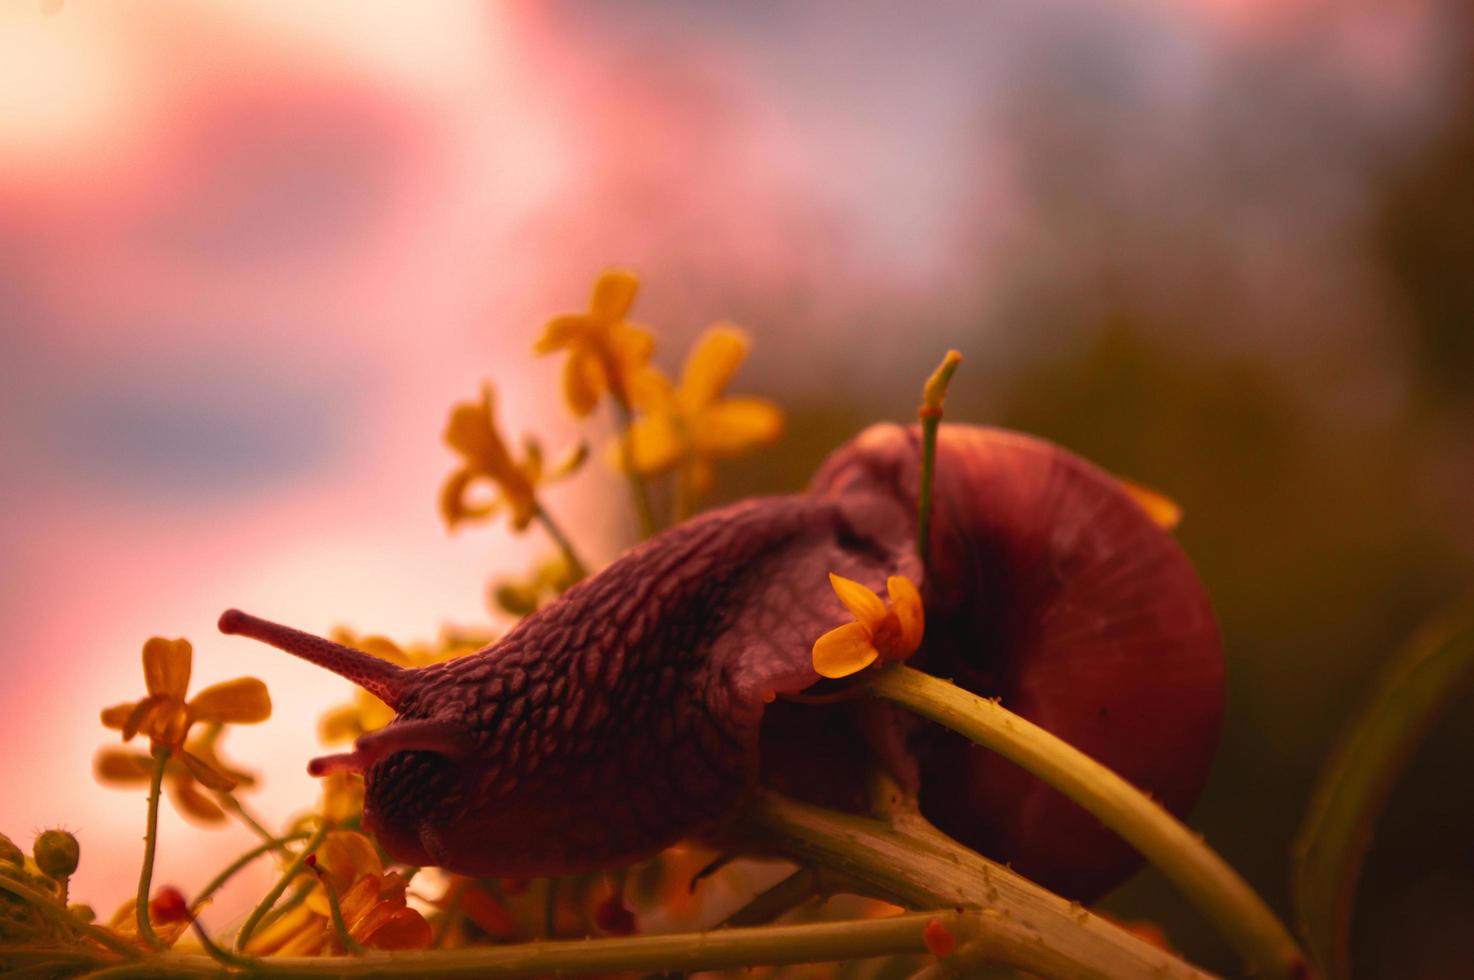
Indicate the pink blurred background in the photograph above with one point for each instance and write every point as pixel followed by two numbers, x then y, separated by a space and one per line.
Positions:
pixel 251 251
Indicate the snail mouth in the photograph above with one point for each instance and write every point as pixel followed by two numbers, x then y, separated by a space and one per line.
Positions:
pixel 416 735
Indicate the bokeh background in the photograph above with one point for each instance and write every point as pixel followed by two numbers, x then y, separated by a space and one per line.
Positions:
pixel 251 251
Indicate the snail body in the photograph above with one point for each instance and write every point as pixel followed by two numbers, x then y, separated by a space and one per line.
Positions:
pixel 630 713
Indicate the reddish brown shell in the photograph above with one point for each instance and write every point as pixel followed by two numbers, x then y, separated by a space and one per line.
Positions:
pixel 1050 587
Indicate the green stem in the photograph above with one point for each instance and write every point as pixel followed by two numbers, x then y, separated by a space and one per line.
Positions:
pixel 59 916
pixel 579 569
pixel 234 868
pixel 911 863
pixel 822 942
pixel 933 393
pixel 638 491
pixel 150 842
pixel 777 900
pixel 291 872
pixel 1205 878
pixel 345 938
pixel 238 809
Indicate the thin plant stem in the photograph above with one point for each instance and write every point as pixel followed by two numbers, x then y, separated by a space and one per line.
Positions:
pixel 335 907
pixel 234 868
pixel 150 842
pixel 639 493
pixel 282 909
pixel 930 415
pixel 1203 877
pixel 238 809
pixel 777 900
pixel 575 564
pixel 270 899
pixel 216 952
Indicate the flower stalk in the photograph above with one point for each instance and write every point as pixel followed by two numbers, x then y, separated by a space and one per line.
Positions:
pixel 930 414
pixel 575 564
pixel 292 870
pixel 1203 877
pixel 150 842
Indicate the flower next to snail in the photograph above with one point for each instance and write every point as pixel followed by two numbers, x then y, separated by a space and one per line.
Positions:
pixel 166 716
pixel 881 633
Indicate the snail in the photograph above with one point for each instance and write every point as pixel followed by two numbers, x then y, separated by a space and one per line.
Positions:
pixel 639 708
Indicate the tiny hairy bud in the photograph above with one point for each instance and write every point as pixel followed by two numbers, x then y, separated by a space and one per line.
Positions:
pixel 56 853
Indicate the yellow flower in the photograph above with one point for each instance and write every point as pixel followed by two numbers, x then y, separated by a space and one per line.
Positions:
pixel 165 716
pixel 521 597
pixel 372 903
pixel 881 631
pixel 366 713
pixel 117 766
pixel 604 350
pixel 689 425
pixel 472 432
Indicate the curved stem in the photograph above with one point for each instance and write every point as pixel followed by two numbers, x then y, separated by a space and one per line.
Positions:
pixel 1205 878
pixel 340 928
pixel 234 868
pixel 150 841
pixel 271 897
pixel 238 809
pixel 579 569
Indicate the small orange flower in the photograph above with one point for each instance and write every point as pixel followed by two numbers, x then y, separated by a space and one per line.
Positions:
pixel 692 424
pixel 116 766
pixel 472 432
pixel 166 717
pixel 604 350
pixel 881 631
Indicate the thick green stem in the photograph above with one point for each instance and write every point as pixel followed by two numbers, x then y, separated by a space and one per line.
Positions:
pixel 150 842
pixel 689 952
pixel 292 870
pixel 1204 877
pixel 911 863
pixel 575 564
pixel 340 927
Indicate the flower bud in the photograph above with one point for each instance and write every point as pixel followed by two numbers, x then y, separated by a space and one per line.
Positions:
pixel 56 853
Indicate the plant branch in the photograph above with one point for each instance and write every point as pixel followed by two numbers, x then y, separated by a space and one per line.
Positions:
pixel 150 843
pixel 234 868
pixel 1203 877
pixel 912 863
pixel 575 564
pixel 271 897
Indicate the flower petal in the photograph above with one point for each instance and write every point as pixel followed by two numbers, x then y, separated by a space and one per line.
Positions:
pixel 1158 506
pixel 404 928
pixel 191 803
pixel 867 607
pixel 843 651
pixel 340 724
pixel 206 774
pixel 455 509
pixel 719 351
pixel 166 666
pixel 735 425
pixel 906 604
pixel 655 444
pixel 122 767
pixel 117 716
pixel 651 391
pixel 583 382
pixel 243 701
pixel 562 331
pixel 614 294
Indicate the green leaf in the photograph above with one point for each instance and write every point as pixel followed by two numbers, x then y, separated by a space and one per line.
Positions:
pixel 1425 678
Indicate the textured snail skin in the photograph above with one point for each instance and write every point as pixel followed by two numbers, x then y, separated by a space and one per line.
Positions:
pixel 1050 588
pixel 634 711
